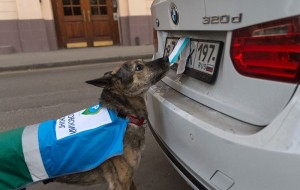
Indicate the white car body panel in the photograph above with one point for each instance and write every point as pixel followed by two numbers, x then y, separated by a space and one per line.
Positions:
pixel 239 133
pixel 254 12
pixel 253 159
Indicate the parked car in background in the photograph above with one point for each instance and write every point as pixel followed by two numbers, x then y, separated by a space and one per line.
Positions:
pixel 232 119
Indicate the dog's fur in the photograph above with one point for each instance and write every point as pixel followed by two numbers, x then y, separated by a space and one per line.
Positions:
pixel 123 92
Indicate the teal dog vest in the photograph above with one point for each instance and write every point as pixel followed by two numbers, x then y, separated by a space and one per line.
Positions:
pixel 75 143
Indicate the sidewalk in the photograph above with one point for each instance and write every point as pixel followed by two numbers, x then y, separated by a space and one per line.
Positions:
pixel 70 57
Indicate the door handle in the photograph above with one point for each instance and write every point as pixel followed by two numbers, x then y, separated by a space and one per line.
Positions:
pixel 89 15
pixel 83 14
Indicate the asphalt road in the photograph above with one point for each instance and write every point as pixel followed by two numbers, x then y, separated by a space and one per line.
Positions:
pixel 30 97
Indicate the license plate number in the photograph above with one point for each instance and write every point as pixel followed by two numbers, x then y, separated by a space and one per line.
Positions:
pixel 204 58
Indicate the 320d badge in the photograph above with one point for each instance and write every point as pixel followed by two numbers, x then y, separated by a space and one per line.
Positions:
pixel 223 19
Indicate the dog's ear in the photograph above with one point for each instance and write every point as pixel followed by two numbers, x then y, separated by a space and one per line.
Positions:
pixel 105 80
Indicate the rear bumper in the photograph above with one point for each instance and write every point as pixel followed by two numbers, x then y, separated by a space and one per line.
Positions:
pixel 178 164
pixel 212 150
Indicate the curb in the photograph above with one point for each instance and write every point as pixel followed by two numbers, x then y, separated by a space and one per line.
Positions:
pixel 72 63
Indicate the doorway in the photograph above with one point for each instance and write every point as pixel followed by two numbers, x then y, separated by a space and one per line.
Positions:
pixel 87 23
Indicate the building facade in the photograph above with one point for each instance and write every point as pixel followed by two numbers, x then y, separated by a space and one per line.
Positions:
pixel 136 22
pixel 45 25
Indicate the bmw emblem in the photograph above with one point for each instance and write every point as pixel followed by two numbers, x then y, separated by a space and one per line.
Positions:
pixel 174 14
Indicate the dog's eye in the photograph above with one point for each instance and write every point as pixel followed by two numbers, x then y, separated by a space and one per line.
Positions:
pixel 139 67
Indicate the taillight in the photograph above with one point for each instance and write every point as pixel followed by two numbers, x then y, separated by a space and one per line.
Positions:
pixel 155 40
pixel 269 50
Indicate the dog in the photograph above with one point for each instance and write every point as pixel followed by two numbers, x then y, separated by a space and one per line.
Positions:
pixel 123 91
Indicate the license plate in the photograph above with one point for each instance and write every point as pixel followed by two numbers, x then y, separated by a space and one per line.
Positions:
pixel 170 45
pixel 204 58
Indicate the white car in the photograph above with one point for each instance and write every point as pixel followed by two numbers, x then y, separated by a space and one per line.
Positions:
pixel 232 119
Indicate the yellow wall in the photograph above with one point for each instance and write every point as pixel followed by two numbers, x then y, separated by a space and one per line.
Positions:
pixel 46 8
pixel 8 10
pixel 29 9
pixel 25 9
pixel 134 7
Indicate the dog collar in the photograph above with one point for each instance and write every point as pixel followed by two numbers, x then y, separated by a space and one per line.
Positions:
pixel 139 121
